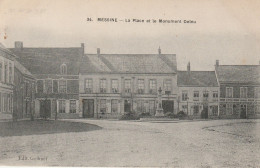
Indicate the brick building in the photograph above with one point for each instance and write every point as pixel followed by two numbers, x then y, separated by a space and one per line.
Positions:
pixel 6 82
pixel 198 93
pixel 239 90
pixel 56 71
pixel 113 84
pixel 24 92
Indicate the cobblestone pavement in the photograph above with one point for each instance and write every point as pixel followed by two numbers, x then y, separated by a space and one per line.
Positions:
pixel 216 143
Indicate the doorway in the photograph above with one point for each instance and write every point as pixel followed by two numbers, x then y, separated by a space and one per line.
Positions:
pixel 127 106
pixel 205 112
pixel 168 106
pixel 45 108
pixel 88 108
pixel 243 111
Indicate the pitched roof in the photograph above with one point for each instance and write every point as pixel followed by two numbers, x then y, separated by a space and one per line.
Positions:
pixel 197 78
pixel 239 73
pixel 6 52
pixel 22 69
pixel 129 63
pixel 48 60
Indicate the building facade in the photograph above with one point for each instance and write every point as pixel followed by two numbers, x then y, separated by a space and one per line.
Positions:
pixel 24 92
pixel 198 93
pixel 6 82
pixel 57 78
pixel 239 90
pixel 111 85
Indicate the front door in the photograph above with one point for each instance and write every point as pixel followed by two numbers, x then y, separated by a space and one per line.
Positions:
pixel 243 111
pixel 88 108
pixel 127 106
pixel 45 108
pixel 205 112
pixel 168 106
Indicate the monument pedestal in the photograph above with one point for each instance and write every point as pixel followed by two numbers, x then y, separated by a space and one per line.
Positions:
pixel 159 112
pixel 159 109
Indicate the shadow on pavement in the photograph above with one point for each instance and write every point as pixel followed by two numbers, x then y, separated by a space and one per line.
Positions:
pixel 39 127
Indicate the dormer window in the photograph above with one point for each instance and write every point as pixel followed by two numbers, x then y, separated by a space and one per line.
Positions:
pixel 63 69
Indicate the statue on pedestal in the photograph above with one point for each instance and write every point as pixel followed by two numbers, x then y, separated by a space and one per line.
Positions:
pixel 159 109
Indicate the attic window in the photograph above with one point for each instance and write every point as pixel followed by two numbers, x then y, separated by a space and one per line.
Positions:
pixel 63 69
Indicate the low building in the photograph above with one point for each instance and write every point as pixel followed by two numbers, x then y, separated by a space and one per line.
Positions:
pixel 111 85
pixel 57 78
pixel 6 82
pixel 24 92
pixel 198 93
pixel 239 90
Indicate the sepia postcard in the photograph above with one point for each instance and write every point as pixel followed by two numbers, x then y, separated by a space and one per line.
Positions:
pixel 130 83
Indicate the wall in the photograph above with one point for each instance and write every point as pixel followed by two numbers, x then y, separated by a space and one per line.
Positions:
pixel 121 97
pixel 200 102
pixel 251 101
pixel 6 86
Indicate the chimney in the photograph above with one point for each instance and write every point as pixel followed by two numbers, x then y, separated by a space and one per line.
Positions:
pixel 217 62
pixel 159 50
pixel 18 45
pixel 83 47
pixel 98 51
pixel 188 67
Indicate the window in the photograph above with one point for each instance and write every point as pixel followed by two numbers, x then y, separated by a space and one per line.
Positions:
pixel 114 106
pixel 62 106
pixel 103 85
pixel 114 85
pixel 229 92
pixel 140 84
pixel 184 106
pixel 257 109
pixel 184 95
pixel 6 77
pixel 88 85
pixel 243 92
pixel 214 110
pixel 151 107
pixel 168 85
pixel 62 86
pixel 127 85
pixel 5 104
pixel 72 106
pixel 215 95
pixel 229 109
pixel 48 86
pixel 140 106
pixel 28 87
pixel 152 86
pixel 9 103
pixel 257 92
pixel 63 69
pixel 33 90
pixel 103 106
pixel 196 95
pixel 10 73
pixel 39 86
pixel 55 86
pixel 1 70
pixel 196 109
pixel 72 86
pixel 205 94
pixel 1 102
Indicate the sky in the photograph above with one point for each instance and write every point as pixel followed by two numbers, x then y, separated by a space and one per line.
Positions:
pixel 225 30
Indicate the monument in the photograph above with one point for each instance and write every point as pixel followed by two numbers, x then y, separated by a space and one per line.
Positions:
pixel 159 109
